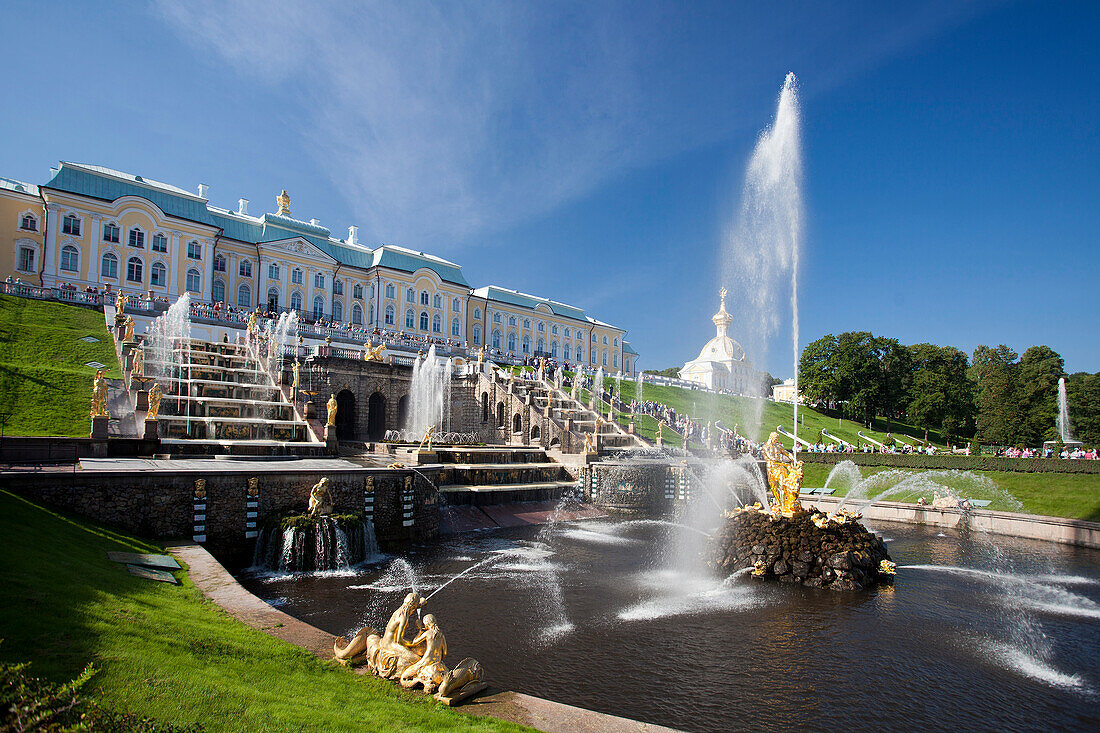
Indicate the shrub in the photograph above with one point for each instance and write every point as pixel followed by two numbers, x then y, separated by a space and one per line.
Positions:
pixel 963 463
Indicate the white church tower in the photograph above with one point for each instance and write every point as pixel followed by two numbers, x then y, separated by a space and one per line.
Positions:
pixel 722 365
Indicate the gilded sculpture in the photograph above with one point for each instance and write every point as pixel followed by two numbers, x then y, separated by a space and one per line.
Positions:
pixel 331 406
pixel 99 395
pixel 589 444
pixel 251 325
pixel 480 356
pixel 120 305
pixel 283 200
pixel 297 376
pixel 427 438
pixel 320 501
pixel 154 402
pixel 373 353
pixel 784 476
pixel 129 329
pixel 137 369
pixel 419 661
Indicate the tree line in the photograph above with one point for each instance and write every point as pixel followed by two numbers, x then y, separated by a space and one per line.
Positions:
pixel 995 396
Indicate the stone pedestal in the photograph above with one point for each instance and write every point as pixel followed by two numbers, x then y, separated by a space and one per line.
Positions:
pixel 330 439
pixel 311 411
pixel 660 441
pixel 152 431
pixel 143 400
pixel 425 456
pixel 99 427
pixel 630 428
pixel 127 351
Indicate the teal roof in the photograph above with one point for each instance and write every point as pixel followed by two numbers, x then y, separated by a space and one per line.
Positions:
pixel 628 349
pixel 233 227
pixel 102 183
pixel 503 295
pixel 409 261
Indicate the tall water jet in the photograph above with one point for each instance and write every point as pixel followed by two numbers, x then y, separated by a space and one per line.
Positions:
pixel 762 250
pixel 1062 419
pixel 426 395
pixel 168 353
pixel 639 389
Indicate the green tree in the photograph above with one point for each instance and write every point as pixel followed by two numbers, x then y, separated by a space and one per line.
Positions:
pixel 941 396
pixel 816 380
pixel 1037 384
pixel 856 365
pixel 895 367
pixel 994 373
pixel 1083 396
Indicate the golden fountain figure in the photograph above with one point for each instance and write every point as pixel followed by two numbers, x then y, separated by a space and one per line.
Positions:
pixel 480 356
pixel 427 438
pixel 297 377
pixel 251 326
pixel 283 200
pixel 373 353
pixel 331 405
pixel 137 369
pixel 120 305
pixel 784 476
pixel 320 501
pixel 99 395
pixel 129 331
pixel 154 402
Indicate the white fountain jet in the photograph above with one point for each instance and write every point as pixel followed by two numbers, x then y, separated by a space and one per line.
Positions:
pixel 430 385
pixel 1062 420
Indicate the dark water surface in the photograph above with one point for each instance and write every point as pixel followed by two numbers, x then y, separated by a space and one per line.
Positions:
pixel 595 614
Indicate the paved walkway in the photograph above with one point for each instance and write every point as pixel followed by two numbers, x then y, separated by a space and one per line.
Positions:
pixel 218 585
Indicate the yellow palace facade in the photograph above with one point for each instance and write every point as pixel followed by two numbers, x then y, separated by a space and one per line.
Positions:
pixel 91 226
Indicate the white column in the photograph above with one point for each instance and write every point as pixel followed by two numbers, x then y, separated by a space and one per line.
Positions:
pixel 174 263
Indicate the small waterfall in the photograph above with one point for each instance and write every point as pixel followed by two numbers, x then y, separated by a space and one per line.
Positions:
pixel 316 546
pixel 1062 419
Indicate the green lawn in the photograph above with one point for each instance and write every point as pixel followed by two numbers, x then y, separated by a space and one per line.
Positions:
pixel 45 387
pixel 165 652
pixel 1076 495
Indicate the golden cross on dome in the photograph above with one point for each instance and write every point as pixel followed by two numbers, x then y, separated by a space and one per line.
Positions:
pixel 283 200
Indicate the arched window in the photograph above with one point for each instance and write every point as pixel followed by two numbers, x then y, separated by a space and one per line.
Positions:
pixel 372 291
pixel 605 340
pixel 423 320
pixel 194 281
pixel 593 338
pixel 605 357
pixel 160 243
pixel 410 296
pixel 540 346
pixel 70 258
pixel 245 269
pixel 580 353
pixel 318 308
pixel 244 296
pixel 595 355
pixel 273 299
pixel 437 301
pixel 527 323
pixel 70 225
pixel 357 314
pixel 423 297
pixel 337 310
pixel 526 344
pixel 477 335
pixel 337 287
pixel 455 328
pixel 137 238
pixel 437 324
pixel 615 360
pixel 319 281
pixel 567 332
pixel 456 305
pixel 410 319
pixel 477 314
pixel 511 342
pixel 219 263
pixel 158 274
pixel 296 302
pixel 511 320
pixel 554 349
pixel 616 341
pixel 357 291
pixel 134 270
pixel 389 290
pixel 217 291
pixel 496 339
pixel 496 318
pixel 390 313
pixel 565 351
pixel 554 329
pixel 370 314
pixel 542 327
pixel 295 276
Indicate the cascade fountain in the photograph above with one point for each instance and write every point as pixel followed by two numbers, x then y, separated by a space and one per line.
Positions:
pixel 428 394
pixel 167 347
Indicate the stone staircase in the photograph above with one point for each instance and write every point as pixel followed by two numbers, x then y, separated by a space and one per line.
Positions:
pixel 582 420
pixel 500 475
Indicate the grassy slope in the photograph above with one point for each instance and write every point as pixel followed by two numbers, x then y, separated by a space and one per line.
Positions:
pixel 45 389
pixel 165 652
pixel 1052 494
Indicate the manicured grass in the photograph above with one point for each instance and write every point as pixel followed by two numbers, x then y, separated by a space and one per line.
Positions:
pixel 165 652
pixel 1076 496
pixel 45 387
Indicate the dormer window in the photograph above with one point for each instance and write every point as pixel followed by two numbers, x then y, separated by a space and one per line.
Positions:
pixel 70 225
pixel 136 238
pixel 29 222
pixel 110 233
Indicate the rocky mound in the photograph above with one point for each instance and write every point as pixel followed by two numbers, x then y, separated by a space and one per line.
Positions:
pixel 842 556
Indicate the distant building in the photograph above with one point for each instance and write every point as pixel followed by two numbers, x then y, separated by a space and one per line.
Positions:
pixel 722 364
pixel 91 226
pixel 785 392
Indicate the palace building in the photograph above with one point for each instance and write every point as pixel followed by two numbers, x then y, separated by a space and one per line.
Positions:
pixel 91 226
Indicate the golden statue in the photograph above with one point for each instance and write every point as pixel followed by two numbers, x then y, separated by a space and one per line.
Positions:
pixel 99 395
pixel 154 402
pixel 137 368
pixel 283 200
pixel 461 681
pixel 660 431
pixel 589 444
pixel 394 654
pixel 251 325
pixel 784 476
pixel 320 501
pixel 129 333
pixel 296 380
pixel 331 405
pixel 427 438
pixel 120 305
pixel 373 353
pixel 480 356
pixel 511 376
pixel 428 670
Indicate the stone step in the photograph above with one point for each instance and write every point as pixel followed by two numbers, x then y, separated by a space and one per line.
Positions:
pixel 494 488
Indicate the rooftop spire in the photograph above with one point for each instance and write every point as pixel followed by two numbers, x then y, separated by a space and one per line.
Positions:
pixel 722 319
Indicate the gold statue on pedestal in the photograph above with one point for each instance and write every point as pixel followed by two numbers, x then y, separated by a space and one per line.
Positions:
pixel 373 353
pixel 120 305
pixel 283 200
pixel 137 369
pixel 784 476
pixel 251 325
pixel 129 330
pixel 427 440
pixel 480 356
pixel 296 378
pixel 428 670
pixel 589 444
pixel 154 402
pixel 331 406
pixel 99 395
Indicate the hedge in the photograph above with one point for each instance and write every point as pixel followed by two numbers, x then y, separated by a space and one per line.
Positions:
pixel 964 463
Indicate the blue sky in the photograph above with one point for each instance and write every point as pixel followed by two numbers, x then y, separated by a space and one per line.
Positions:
pixel 593 152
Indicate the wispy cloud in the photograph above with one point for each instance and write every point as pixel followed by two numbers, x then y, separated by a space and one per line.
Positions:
pixel 440 121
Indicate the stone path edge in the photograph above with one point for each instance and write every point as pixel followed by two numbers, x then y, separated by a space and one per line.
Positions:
pixel 219 586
